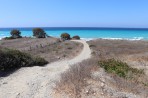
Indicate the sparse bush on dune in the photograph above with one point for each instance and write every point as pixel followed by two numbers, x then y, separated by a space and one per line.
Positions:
pixel 65 36
pixel 76 37
pixel 8 38
pixel 15 34
pixel 119 68
pixel 39 33
pixel 13 59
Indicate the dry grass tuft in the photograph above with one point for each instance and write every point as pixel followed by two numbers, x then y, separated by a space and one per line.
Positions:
pixel 75 79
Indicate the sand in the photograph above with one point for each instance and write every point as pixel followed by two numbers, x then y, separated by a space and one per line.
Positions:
pixel 38 82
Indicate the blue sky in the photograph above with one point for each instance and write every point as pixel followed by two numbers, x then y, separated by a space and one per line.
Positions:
pixel 74 13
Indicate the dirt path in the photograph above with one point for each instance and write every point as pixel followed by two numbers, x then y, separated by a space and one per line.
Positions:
pixel 37 82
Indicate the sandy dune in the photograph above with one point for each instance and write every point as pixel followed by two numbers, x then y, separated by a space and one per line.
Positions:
pixel 37 82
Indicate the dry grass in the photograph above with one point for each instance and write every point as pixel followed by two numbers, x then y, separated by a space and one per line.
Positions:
pixel 75 79
pixel 134 53
pixel 87 79
pixel 52 49
pixel 113 48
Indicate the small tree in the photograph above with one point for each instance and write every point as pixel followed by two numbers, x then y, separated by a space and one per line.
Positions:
pixel 15 34
pixel 65 36
pixel 39 33
pixel 76 37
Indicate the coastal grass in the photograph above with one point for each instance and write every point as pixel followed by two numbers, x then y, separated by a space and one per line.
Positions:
pixel 120 68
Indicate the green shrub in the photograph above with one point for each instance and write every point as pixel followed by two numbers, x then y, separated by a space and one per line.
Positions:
pixel 120 68
pixel 15 34
pixel 8 38
pixel 38 61
pixel 76 37
pixel 13 59
pixel 65 36
pixel 92 46
pixel 39 33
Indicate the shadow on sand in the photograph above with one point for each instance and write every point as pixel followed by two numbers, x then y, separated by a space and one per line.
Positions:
pixel 7 73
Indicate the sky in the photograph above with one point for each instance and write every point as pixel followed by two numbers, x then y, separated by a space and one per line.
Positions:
pixel 74 13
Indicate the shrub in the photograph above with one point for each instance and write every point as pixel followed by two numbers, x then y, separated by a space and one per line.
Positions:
pixel 39 33
pixel 92 46
pixel 76 37
pixel 8 38
pixel 13 59
pixel 65 36
pixel 15 34
pixel 120 68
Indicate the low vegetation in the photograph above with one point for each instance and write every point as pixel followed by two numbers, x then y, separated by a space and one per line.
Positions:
pixel 65 36
pixel 8 38
pixel 51 49
pixel 107 73
pixel 39 33
pixel 119 68
pixel 14 34
pixel 13 59
pixel 75 79
pixel 76 37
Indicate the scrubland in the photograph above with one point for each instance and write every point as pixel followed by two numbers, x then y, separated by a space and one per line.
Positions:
pixel 117 69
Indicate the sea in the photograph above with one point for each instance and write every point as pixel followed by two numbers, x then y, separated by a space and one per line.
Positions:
pixel 86 33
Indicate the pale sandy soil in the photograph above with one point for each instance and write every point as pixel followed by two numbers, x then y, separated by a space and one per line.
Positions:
pixel 37 82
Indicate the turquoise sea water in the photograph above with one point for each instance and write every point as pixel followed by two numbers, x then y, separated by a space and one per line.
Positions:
pixel 87 33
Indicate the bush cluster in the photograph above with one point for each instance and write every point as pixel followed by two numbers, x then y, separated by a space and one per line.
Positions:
pixel 119 68
pixel 65 36
pixel 76 37
pixel 39 33
pixel 15 34
pixel 8 38
pixel 13 59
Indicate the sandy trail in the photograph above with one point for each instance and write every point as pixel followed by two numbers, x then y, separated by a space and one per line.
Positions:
pixel 37 82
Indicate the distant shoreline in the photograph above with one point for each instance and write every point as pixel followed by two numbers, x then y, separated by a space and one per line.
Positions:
pixel 89 39
pixel 87 33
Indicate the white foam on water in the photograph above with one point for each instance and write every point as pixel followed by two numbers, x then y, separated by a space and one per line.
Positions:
pixel 132 39
pixel 88 39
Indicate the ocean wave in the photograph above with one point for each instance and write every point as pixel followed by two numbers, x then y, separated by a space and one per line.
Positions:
pixel 135 38
pixel 1 37
pixel 88 39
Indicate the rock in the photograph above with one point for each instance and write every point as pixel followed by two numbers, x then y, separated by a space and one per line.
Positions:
pixel 102 84
pixel 102 93
pixel 18 94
